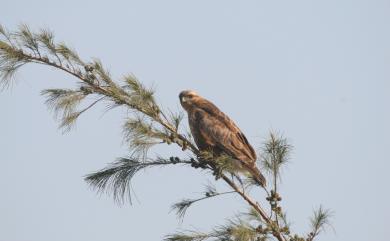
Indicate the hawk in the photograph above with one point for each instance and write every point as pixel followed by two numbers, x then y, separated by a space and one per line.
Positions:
pixel 214 131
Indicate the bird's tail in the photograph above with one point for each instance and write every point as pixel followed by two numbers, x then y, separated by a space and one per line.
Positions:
pixel 256 174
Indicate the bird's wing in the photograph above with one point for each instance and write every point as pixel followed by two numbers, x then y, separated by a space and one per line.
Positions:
pixel 223 133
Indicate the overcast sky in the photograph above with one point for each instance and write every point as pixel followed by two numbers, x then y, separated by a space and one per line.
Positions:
pixel 316 71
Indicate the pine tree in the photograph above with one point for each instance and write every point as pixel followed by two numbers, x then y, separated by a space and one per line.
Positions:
pixel 148 125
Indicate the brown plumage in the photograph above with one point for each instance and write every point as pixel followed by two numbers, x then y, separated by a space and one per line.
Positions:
pixel 215 131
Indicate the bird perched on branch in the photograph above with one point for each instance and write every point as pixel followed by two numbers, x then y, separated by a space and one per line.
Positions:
pixel 216 132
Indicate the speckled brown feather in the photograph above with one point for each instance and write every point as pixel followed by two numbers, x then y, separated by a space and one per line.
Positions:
pixel 213 130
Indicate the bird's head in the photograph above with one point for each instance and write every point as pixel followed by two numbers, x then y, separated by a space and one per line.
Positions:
pixel 187 98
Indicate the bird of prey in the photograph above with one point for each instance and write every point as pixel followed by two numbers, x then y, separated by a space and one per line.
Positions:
pixel 216 132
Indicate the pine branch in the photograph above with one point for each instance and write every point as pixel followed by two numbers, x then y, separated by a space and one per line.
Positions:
pixel 40 48
pixel 181 207
pixel 115 179
pixel 319 221
pixel 236 229
pixel 189 236
pixel 275 154
pixel 141 135
pixel 175 118
pixel 276 232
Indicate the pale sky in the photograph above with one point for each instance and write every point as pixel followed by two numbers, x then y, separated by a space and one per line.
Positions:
pixel 316 71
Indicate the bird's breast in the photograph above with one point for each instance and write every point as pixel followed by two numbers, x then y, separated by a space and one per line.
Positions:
pixel 202 140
